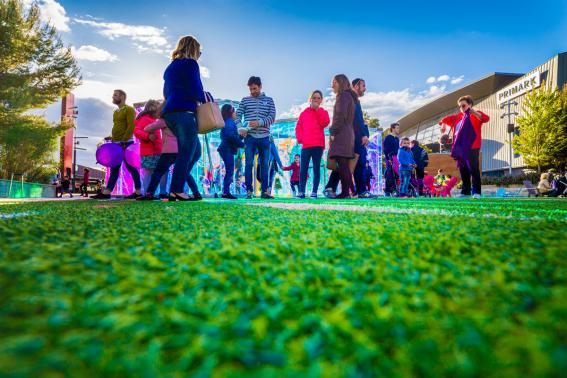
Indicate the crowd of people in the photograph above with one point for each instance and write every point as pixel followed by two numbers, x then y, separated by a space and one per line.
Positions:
pixel 168 134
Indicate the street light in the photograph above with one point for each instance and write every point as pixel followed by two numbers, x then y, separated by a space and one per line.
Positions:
pixel 509 113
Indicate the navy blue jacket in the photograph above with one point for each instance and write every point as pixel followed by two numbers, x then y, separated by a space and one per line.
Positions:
pixel 230 140
pixel 182 88
pixel 420 156
pixel 360 128
pixel 391 146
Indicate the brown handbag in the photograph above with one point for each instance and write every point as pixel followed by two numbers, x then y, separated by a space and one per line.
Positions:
pixel 209 117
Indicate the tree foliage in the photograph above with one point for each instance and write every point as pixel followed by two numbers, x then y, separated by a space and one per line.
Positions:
pixel 35 70
pixel 542 139
pixel 372 123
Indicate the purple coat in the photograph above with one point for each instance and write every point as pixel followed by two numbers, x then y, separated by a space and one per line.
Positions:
pixel 342 127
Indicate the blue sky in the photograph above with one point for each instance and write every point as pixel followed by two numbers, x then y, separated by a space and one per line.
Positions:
pixel 408 52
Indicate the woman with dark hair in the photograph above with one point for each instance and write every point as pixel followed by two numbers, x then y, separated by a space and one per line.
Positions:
pixel 230 143
pixel 342 131
pixel 310 133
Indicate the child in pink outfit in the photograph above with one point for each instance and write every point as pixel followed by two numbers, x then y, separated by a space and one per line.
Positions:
pixel 166 159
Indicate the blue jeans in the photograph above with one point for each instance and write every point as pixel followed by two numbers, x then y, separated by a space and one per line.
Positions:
pixel 184 126
pixel 262 145
pixel 165 161
pixel 189 177
pixel 405 177
pixel 228 160
pixel 308 154
pixel 115 171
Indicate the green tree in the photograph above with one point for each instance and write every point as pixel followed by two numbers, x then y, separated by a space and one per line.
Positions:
pixel 35 70
pixel 372 123
pixel 542 138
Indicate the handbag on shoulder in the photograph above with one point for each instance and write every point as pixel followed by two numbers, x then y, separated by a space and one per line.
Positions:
pixel 209 117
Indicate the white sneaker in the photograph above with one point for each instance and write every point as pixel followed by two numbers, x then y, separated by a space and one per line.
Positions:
pixel 476 196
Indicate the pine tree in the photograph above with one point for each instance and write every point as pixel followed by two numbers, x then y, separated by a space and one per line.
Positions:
pixel 35 70
pixel 542 139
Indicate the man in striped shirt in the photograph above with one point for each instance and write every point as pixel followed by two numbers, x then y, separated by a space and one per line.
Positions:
pixel 255 114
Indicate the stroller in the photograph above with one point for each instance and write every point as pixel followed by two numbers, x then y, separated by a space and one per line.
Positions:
pixel 392 180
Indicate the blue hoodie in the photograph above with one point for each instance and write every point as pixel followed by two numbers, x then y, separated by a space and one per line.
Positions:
pixel 230 140
pixel 405 158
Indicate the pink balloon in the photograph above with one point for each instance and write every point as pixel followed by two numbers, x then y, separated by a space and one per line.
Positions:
pixel 110 155
pixel 132 155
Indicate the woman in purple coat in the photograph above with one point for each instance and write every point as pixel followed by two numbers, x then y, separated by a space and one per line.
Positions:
pixel 342 131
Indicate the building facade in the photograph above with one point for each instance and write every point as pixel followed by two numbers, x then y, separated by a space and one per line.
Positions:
pixel 495 94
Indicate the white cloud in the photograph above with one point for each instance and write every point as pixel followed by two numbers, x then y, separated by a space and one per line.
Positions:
pixel 146 38
pixel 93 54
pixel 431 80
pixel 137 91
pixel 457 80
pixel 51 12
pixel 443 78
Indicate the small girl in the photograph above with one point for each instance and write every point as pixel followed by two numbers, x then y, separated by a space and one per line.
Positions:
pixel 166 159
pixel 294 180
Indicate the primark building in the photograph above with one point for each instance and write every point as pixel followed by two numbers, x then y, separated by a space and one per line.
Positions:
pixel 500 95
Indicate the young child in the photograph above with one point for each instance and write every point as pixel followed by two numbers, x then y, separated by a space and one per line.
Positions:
pixel 407 164
pixel 440 178
pixel 294 168
pixel 66 187
pixel 166 159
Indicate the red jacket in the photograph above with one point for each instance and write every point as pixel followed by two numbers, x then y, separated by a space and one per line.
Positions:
pixel 453 121
pixel 310 129
pixel 147 147
pixel 294 168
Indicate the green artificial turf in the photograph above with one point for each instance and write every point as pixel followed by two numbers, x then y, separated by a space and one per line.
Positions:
pixel 435 287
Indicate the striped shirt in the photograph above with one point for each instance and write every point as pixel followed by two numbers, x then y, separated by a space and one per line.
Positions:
pixel 261 109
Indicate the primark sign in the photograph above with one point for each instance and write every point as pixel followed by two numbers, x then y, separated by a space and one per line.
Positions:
pixel 517 89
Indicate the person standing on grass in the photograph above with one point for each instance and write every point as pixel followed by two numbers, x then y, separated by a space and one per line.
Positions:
pixel 167 158
pixel 342 132
pixel 183 89
pixel 361 135
pixel 390 148
pixel 228 148
pixel 407 164
pixel 254 117
pixel 421 160
pixel 467 131
pixel 150 144
pixel 85 183
pixel 310 133
pixel 295 173
pixel 122 133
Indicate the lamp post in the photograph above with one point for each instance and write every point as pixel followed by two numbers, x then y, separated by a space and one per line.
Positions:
pixel 510 127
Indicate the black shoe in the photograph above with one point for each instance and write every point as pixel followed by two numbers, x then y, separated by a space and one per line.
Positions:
pixel 163 196
pixel 147 197
pixel 176 197
pixel 301 196
pixel 313 196
pixel 100 195
pixel 196 198
pixel 133 196
pixel 266 196
pixel 228 196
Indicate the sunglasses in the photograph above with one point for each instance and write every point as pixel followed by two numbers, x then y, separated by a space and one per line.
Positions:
pixel 463 106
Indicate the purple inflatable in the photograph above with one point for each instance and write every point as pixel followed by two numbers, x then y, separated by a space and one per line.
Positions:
pixel 110 155
pixel 132 155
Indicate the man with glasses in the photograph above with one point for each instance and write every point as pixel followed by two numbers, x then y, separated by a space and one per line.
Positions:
pixel 467 126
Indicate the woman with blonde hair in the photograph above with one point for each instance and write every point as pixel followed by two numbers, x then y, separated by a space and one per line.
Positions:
pixel 183 90
pixel 342 131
